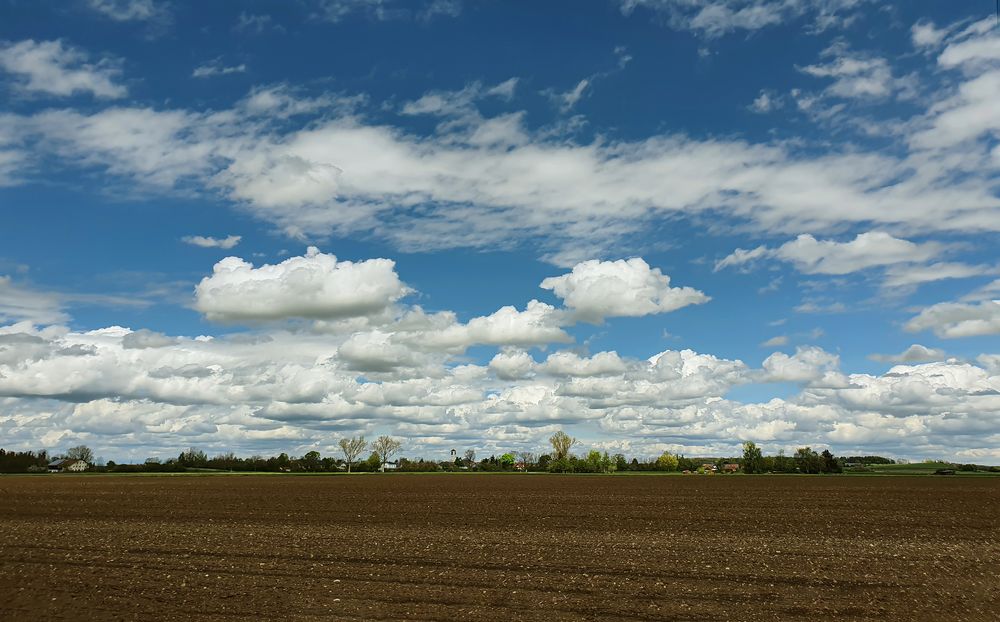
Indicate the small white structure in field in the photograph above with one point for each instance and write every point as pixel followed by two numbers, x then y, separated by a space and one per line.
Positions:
pixel 72 466
pixel 390 466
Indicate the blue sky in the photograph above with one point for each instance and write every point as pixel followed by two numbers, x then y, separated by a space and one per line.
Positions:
pixel 796 200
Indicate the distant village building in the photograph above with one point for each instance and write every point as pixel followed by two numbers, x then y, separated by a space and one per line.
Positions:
pixel 68 465
pixel 390 466
pixel 730 468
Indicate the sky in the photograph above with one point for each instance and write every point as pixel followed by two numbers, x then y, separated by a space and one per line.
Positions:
pixel 658 225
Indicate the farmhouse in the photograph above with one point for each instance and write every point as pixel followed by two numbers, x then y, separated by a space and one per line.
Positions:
pixel 70 465
pixel 730 468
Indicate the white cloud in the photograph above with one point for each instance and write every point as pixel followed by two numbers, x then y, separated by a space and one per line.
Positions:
pixel 596 290
pixel 808 364
pixel 775 342
pixel 55 69
pixel 916 353
pixel 217 68
pixel 210 242
pixel 857 75
pixel 512 365
pixel 866 250
pixel 908 276
pixel 766 102
pixel 954 319
pixel 571 364
pixel 23 304
pixel 715 18
pixel 130 10
pixel 316 285
pixel 925 34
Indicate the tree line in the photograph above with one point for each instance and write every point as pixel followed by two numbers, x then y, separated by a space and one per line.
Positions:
pixel 381 451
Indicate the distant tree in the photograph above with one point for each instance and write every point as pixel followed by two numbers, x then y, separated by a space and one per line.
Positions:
pixel 310 461
pixel 829 462
pixel 667 462
pixel 753 460
pixel 807 460
pixel 527 459
pixel 352 448
pixel 507 460
pixel 621 464
pixel 193 458
pixel 561 444
pixel 543 463
pixel 386 447
pixel 80 452
pixel 470 458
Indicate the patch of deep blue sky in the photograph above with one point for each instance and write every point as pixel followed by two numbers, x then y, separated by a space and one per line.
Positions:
pixel 81 231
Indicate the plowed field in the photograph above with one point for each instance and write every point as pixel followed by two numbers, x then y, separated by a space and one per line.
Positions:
pixel 501 547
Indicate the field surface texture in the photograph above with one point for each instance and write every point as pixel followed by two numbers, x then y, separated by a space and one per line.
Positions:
pixel 514 547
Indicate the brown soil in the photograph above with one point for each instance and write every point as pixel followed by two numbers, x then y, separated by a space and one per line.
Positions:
pixel 507 547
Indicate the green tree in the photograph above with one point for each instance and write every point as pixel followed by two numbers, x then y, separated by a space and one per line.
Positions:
pixel 807 460
pixel 352 448
pixel 311 461
pixel 753 460
pixel 507 460
pixel 667 462
pixel 829 462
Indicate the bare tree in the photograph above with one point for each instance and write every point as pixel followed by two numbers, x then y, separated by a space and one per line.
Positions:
pixel 527 459
pixel 352 448
pixel 561 444
pixel 470 458
pixel 81 452
pixel 386 447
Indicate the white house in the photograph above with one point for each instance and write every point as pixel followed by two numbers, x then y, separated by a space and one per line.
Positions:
pixel 68 465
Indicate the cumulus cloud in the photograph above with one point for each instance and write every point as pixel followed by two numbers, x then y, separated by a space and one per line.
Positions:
pixel 916 353
pixel 53 68
pixel 809 365
pixel 226 243
pixel 955 319
pixel 596 290
pixel 315 285
pixel 284 391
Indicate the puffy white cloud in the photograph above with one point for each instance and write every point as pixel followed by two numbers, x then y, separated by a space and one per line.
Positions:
pixel 956 319
pixel 916 353
pixel 512 365
pixel 538 324
pixel 210 242
pixel 55 69
pixel 571 364
pixel 808 364
pixel 596 290
pixel 315 285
